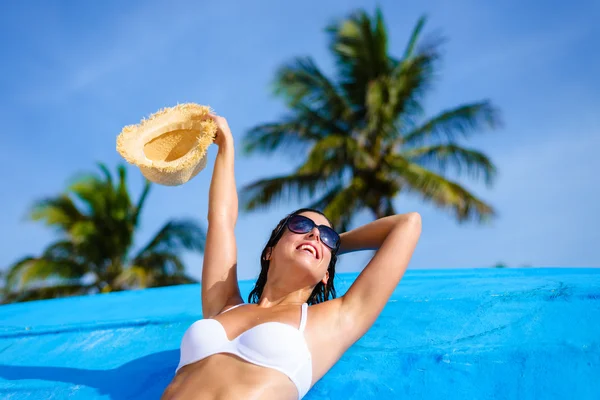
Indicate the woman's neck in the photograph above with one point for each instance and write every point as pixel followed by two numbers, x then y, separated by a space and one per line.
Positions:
pixel 274 296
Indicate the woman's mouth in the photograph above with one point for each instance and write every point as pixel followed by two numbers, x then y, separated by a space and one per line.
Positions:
pixel 309 248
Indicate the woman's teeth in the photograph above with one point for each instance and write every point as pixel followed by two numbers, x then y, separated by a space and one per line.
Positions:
pixel 308 249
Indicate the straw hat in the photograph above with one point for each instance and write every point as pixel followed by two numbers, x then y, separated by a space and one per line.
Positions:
pixel 170 146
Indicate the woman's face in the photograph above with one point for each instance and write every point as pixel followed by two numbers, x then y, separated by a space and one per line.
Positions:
pixel 304 252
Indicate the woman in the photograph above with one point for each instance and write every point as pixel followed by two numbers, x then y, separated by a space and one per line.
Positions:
pixel 279 347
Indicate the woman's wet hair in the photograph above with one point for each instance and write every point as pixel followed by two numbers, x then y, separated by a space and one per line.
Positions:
pixel 321 292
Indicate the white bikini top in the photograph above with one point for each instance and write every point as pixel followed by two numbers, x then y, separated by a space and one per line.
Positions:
pixel 271 344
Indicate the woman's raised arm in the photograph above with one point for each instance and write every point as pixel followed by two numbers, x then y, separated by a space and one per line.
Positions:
pixel 219 271
pixel 395 238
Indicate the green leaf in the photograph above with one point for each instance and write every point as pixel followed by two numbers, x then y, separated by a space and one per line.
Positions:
pixel 414 38
pixel 340 210
pixel 174 236
pixel 94 194
pixel 289 188
pixel 444 193
pixel 140 204
pixel 170 280
pixel 409 82
pixel 287 135
pixel 13 274
pixel 59 212
pixel 160 263
pixel 330 155
pixel 133 277
pixel 462 160
pixel 46 292
pixel 360 48
pixel 462 120
pixel 302 82
pixel 322 202
pixel 29 270
pixel 122 207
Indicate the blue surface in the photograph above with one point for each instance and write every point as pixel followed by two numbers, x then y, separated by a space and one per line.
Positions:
pixel 461 334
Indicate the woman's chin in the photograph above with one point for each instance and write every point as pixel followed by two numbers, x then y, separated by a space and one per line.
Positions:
pixel 306 261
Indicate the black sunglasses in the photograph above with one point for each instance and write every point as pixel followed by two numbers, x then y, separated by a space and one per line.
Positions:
pixel 301 224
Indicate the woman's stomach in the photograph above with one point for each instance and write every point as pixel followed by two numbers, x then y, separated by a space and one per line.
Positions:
pixel 226 376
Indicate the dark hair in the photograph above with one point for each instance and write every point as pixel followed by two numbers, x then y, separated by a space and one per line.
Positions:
pixel 320 293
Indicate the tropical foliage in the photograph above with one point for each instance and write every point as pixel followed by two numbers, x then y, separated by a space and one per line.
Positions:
pixel 96 222
pixel 364 132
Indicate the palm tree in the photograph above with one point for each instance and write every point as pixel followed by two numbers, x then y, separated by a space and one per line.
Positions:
pixel 96 222
pixel 365 134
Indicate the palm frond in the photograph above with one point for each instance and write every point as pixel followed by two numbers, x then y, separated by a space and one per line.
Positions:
pixel 160 263
pixel 63 249
pixel 94 193
pixel 67 253
pixel 140 203
pixel 462 160
pixel 59 212
pixel 332 154
pixel 270 191
pixel 360 48
pixel 46 292
pixel 444 193
pixel 171 280
pixel 302 82
pixel 122 207
pixel 414 38
pixel 340 210
pixel 410 80
pixel 132 278
pixel 13 272
pixel 322 202
pixel 30 270
pixel 462 120
pixel 174 236
pixel 360 45
pixel 388 207
pixel 106 173
pixel 292 133
pixel 377 97
pixel 322 121
pixel 154 269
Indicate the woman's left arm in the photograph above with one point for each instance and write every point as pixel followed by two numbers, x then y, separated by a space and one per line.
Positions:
pixel 395 238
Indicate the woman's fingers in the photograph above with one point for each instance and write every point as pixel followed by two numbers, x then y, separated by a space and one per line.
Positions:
pixel 223 131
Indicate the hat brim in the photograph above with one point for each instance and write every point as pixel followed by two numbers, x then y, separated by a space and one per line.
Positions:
pixel 169 147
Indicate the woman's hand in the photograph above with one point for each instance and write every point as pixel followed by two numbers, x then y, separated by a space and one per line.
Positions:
pixel 371 235
pixel 224 136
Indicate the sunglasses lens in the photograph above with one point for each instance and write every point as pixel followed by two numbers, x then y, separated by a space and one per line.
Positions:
pixel 300 224
pixel 329 237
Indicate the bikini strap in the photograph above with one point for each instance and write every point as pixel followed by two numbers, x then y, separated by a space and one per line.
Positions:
pixel 303 318
pixel 236 306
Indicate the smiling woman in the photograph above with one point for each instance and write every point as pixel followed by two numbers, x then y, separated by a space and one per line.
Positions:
pixel 276 346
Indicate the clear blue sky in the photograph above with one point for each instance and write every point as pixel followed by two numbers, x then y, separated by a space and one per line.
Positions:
pixel 74 73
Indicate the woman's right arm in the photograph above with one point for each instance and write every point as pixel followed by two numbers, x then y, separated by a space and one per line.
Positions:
pixel 219 270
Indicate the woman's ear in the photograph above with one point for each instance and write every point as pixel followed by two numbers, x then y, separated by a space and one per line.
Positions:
pixel 325 278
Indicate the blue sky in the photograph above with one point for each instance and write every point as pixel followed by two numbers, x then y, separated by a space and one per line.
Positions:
pixel 74 73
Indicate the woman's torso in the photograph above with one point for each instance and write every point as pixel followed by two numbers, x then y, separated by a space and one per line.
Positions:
pixel 225 377
pixel 250 353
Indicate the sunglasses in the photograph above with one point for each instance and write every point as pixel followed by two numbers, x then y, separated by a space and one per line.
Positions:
pixel 301 224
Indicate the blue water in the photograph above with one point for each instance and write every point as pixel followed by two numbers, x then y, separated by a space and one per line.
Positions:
pixel 461 334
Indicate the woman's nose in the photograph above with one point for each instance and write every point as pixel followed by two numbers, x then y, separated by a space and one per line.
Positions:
pixel 315 232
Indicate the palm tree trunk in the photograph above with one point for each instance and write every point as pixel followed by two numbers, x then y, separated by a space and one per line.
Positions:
pixel 378 212
pixel 381 209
